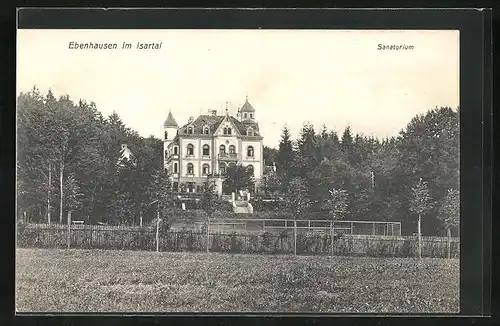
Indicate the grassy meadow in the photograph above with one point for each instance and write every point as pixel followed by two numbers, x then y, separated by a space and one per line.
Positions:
pixel 52 280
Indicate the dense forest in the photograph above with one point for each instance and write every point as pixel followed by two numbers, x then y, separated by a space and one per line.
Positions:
pixel 67 156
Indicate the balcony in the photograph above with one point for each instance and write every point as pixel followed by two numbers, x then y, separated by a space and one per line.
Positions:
pixel 228 156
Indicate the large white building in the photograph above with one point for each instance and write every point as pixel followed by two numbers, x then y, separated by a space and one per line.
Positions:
pixel 207 145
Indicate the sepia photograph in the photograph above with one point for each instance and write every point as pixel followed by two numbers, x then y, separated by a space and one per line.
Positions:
pixel 237 171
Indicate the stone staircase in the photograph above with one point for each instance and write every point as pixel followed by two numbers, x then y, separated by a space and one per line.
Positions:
pixel 242 204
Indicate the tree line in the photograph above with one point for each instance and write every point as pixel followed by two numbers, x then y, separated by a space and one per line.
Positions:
pixel 67 159
pixel 358 177
pixel 67 156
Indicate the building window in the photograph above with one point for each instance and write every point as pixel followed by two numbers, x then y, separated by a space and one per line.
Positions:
pixel 190 186
pixel 250 132
pixel 250 151
pixel 175 167
pixel 176 150
pixel 190 130
pixel 206 130
pixel 166 135
pixel 206 169
pixel 228 131
pixel 250 169
pixel 166 154
pixel 206 150
pixel 222 149
pixel 222 169
pixel 190 149
pixel 251 115
pixel 190 168
pixel 232 149
pixel 245 115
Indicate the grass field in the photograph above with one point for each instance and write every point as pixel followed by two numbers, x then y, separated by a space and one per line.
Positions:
pixel 50 280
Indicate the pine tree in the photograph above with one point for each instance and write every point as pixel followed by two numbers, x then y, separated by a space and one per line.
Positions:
pixel 285 158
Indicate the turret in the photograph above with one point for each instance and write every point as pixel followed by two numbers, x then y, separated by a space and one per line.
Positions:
pixel 247 112
pixel 170 128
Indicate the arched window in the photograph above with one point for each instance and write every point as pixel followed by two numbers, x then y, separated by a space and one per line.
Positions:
pixel 222 168
pixel 190 130
pixel 190 168
pixel 225 130
pixel 166 135
pixel 245 115
pixel 222 149
pixel 232 149
pixel 206 130
pixel 206 150
pixel 250 151
pixel 190 149
pixel 206 169
pixel 250 131
pixel 250 168
pixel 176 150
pixel 251 115
pixel 176 168
pixel 228 131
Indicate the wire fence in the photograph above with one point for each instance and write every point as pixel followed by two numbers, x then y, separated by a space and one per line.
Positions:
pixel 308 243
pixel 381 228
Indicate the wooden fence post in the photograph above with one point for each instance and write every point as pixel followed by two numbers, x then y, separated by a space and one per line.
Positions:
pixel 295 237
pixel 158 228
pixel 419 239
pixel 448 231
pixel 208 234
pixel 331 238
pixel 69 229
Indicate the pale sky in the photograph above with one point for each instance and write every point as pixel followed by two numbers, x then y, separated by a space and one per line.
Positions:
pixel 335 77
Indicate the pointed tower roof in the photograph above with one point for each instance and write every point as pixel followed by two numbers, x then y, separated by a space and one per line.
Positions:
pixel 247 107
pixel 170 122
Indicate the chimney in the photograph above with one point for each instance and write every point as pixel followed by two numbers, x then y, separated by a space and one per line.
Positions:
pixel 214 113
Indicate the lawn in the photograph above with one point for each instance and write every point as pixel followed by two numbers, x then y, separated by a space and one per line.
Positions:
pixel 51 280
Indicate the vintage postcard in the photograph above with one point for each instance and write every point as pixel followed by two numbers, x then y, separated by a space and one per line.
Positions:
pixel 260 170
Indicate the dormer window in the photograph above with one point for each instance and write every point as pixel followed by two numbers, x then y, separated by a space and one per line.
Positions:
pixel 245 115
pixel 190 130
pixel 250 132
pixel 206 130
pixel 228 131
pixel 251 115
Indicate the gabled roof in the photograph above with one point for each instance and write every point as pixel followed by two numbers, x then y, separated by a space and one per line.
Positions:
pixel 213 122
pixel 170 122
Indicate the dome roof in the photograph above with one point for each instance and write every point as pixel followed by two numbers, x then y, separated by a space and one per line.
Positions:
pixel 247 107
pixel 170 122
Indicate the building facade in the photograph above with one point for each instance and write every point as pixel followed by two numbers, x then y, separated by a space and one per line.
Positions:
pixel 207 145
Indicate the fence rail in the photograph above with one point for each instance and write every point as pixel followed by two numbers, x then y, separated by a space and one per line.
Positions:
pixel 125 238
